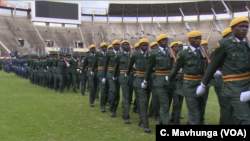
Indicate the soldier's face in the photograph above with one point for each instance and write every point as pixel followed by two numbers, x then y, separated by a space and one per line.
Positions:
pixel 126 47
pixel 92 50
pixel 163 43
pixel 154 47
pixel 240 30
pixel 110 48
pixel 195 41
pixel 176 48
pixel 144 46
pixel 116 47
pixel 137 48
pixel 104 48
pixel 83 58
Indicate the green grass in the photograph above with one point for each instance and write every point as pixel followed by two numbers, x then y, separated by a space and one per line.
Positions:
pixel 31 112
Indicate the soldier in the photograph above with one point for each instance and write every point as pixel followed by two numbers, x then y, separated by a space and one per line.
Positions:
pixel 110 47
pixel 162 62
pixel 193 65
pixel 121 64
pixel 60 65
pixel 154 104
pixel 137 47
pixel 226 110
pixel 177 99
pixel 140 59
pixel 231 56
pixel 68 72
pixel 114 86
pixel 73 70
pixel 54 61
pixel 204 97
pixel 91 78
pixel 82 74
pixel 99 62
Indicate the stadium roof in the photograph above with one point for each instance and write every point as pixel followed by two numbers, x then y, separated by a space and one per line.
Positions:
pixel 158 8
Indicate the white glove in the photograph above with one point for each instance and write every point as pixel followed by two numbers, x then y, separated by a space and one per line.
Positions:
pixel 201 89
pixel 103 80
pixel 144 84
pixel 217 74
pixel 80 71
pixel 54 67
pixel 47 67
pixel 245 96
pixel 125 75
pixel 91 72
pixel 68 65
pixel 114 78
pixel 134 74
pixel 166 77
pixel 134 67
pixel 180 71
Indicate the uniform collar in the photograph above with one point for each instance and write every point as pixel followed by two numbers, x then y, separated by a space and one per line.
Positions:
pixel 143 52
pixel 193 48
pixel 244 39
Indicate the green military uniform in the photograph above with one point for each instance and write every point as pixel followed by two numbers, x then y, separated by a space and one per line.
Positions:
pixel 1 65
pixel 88 62
pixel 49 71
pixel 141 61
pixel 54 65
pixel 232 57
pixel 60 65
pixel 121 65
pixel 68 71
pixel 193 67
pixel 99 62
pixel 82 75
pixel 73 71
pixel 36 67
pixel 114 86
pixel 162 63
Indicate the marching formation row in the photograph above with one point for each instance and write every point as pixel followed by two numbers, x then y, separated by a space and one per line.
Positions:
pixel 168 72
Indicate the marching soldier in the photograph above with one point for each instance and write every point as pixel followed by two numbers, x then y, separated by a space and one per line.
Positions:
pixel 99 62
pixel 91 78
pixel 110 47
pixel 82 74
pixel 60 65
pixel 226 110
pixel 140 58
pixel 137 47
pixel 193 66
pixel 231 57
pixel 177 99
pixel 68 72
pixel 122 60
pixel 162 62
pixel 54 61
pixel 154 104
pixel 73 70
pixel 114 86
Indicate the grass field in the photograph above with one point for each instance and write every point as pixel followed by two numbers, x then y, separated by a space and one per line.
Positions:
pixel 31 112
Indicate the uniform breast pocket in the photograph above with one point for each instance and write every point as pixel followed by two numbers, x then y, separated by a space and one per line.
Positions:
pixel 159 60
pixel 122 61
pixel 189 63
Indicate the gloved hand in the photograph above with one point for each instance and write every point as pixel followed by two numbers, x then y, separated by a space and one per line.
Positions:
pixel 166 77
pixel 180 71
pixel 144 84
pixel 134 74
pixel 47 67
pixel 103 80
pixel 134 66
pixel 80 71
pixel 201 89
pixel 68 65
pixel 217 74
pixel 114 78
pixel 125 75
pixel 91 72
pixel 245 96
